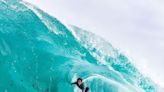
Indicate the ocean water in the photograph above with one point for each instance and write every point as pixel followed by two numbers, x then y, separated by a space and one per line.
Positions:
pixel 38 53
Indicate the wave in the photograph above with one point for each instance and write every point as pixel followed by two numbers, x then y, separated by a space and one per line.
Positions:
pixel 38 53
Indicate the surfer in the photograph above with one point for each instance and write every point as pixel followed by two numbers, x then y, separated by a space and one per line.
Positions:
pixel 80 84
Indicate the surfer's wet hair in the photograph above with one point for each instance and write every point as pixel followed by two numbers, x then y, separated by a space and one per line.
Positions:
pixel 80 79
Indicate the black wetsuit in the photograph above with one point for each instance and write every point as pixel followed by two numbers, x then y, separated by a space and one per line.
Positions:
pixel 82 87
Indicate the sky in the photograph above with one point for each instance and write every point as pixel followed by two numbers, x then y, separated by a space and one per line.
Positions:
pixel 135 27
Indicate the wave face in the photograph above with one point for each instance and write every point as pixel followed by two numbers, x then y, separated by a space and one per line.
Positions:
pixel 40 54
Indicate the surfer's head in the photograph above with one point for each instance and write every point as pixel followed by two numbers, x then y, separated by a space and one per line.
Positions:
pixel 79 81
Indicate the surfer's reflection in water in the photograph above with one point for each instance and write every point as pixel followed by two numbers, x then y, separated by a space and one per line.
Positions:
pixel 81 85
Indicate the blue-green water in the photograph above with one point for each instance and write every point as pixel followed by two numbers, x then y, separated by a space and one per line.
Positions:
pixel 40 54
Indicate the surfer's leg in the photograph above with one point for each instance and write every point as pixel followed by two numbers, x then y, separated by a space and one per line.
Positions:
pixel 86 89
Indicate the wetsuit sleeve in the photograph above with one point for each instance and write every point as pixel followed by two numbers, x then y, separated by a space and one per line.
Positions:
pixel 73 83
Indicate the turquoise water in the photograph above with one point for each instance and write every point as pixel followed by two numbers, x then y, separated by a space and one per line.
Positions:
pixel 38 53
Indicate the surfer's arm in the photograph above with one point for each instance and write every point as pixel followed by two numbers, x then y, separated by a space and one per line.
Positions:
pixel 73 83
